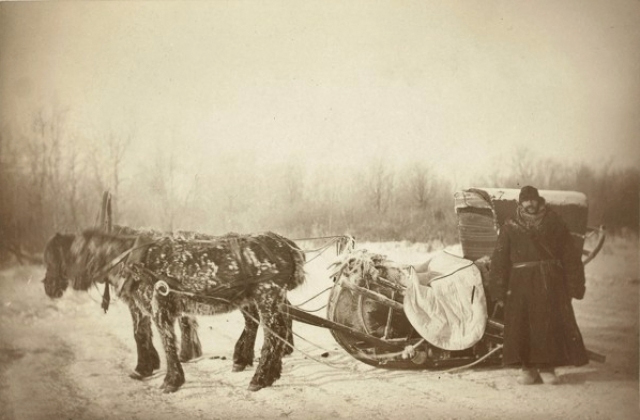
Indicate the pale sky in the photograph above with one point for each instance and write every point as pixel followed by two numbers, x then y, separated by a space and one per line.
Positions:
pixel 457 83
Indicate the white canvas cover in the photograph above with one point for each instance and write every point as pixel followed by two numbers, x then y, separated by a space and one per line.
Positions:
pixel 448 308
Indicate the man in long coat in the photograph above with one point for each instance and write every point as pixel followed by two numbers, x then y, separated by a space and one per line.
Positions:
pixel 536 269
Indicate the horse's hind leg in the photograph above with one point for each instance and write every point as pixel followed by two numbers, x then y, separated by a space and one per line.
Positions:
pixel 148 359
pixel 243 353
pixel 164 318
pixel 190 347
pixel 275 330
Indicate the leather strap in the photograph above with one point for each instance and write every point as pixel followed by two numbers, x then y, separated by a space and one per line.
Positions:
pixel 536 263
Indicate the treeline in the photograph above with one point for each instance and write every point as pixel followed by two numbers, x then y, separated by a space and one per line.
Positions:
pixel 613 193
pixel 52 180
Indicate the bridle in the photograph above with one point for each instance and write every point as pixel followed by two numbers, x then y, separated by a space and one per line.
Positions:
pixel 104 271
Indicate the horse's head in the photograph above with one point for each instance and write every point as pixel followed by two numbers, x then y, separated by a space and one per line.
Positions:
pixel 57 254
pixel 92 252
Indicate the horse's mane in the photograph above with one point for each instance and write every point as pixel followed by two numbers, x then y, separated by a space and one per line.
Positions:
pixel 95 233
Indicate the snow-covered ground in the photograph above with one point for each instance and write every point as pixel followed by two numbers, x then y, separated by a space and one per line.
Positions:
pixel 66 359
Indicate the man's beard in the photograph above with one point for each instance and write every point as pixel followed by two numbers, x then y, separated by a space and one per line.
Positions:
pixel 531 216
pixel 532 208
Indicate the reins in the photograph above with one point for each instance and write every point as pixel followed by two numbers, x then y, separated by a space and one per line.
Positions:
pixel 407 353
pixel 164 286
pixel 106 297
pixel 163 289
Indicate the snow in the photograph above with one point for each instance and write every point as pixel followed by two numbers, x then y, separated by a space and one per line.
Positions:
pixel 67 359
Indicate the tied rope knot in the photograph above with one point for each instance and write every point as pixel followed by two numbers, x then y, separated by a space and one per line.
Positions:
pixel 409 352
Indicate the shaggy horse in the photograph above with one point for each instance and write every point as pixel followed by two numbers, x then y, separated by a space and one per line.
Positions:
pixel 171 276
pixel 190 344
pixel 57 261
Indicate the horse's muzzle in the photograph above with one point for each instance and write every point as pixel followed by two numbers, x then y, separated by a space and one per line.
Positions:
pixel 51 291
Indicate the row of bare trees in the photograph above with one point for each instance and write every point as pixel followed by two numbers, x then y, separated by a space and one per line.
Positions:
pixel 49 177
pixel 52 179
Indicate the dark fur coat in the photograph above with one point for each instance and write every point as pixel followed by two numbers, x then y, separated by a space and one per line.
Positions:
pixel 540 326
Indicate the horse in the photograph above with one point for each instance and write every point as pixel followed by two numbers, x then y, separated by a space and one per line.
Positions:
pixel 190 343
pixel 56 281
pixel 57 260
pixel 171 276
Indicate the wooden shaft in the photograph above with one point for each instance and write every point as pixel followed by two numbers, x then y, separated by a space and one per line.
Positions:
pixel 373 295
pixel 314 320
pixel 390 284
pixel 387 327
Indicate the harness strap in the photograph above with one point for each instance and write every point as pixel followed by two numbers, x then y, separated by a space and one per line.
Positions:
pixel 537 263
pixel 117 260
pixel 237 252
pixel 164 284
pixel 106 298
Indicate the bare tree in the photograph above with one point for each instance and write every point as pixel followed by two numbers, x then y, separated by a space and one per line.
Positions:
pixel 379 184
pixel 107 160
pixel 293 183
pixel 163 183
pixel 32 168
pixel 117 147
pixel 73 186
pixel 523 168
pixel 420 184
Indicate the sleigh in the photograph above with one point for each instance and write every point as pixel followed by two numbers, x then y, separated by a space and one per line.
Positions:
pixel 436 314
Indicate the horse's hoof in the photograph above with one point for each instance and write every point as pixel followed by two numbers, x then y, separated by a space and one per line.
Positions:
pixel 137 376
pixel 238 368
pixel 169 388
pixel 255 387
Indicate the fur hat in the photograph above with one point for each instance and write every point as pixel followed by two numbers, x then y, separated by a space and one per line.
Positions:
pixel 529 193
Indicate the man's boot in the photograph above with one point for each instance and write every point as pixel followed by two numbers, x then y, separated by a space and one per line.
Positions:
pixel 529 376
pixel 549 376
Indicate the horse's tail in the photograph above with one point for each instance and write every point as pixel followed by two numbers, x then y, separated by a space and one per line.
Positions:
pixel 298 259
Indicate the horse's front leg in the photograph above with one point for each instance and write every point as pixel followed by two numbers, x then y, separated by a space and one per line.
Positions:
pixel 164 315
pixel 243 353
pixel 190 347
pixel 148 359
pixel 275 331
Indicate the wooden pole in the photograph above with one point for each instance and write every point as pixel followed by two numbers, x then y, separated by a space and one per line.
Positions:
pixel 372 295
pixel 316 321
